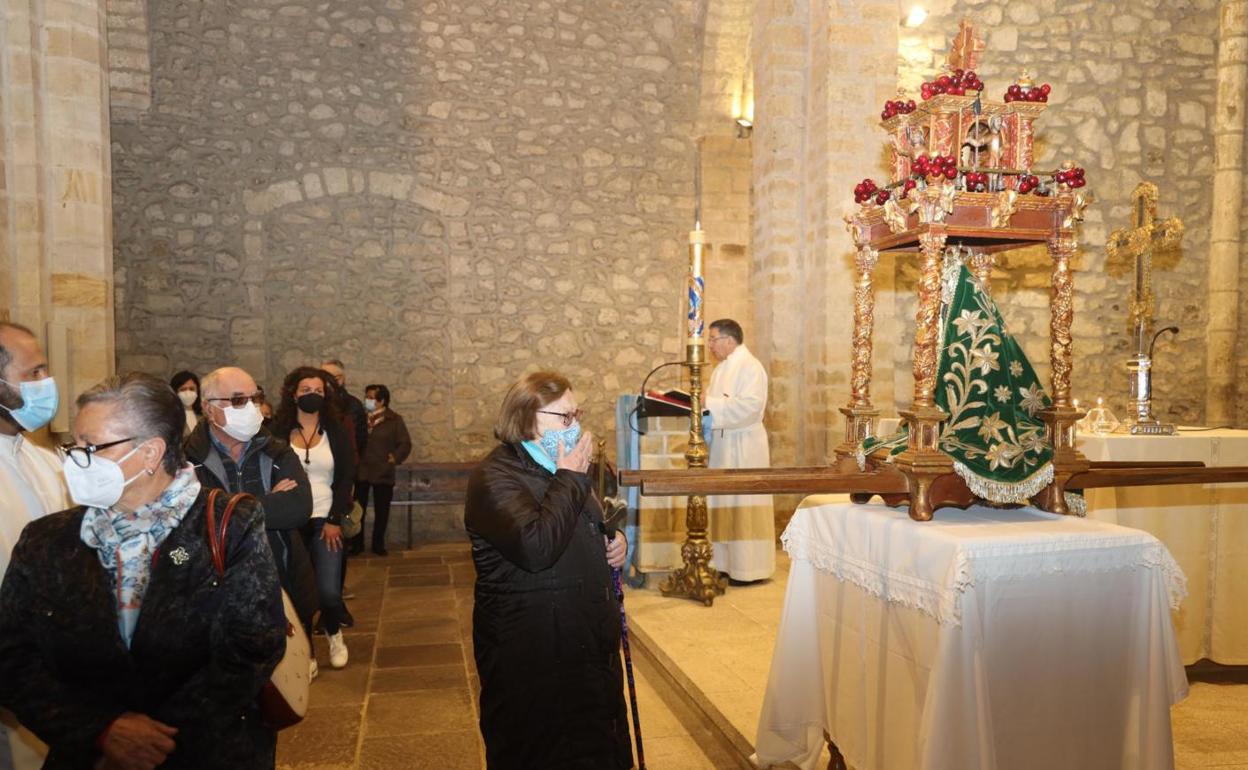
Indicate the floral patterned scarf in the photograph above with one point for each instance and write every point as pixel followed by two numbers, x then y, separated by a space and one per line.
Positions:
pixel 126 542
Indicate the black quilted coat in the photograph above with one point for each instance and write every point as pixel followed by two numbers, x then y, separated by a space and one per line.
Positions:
pixel 201 651
pixel 546 626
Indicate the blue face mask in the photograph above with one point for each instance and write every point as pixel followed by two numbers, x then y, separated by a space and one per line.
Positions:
pixel 549 442
pixel 39 403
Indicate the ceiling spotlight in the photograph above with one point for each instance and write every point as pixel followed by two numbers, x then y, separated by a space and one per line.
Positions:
pixel 917 15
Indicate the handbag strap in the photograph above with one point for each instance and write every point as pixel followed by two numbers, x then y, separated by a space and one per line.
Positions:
pixel 217 533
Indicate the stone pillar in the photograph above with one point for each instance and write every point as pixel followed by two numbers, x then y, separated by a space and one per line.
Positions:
pixel 1228 183
pixel 814 138
pixel 56 266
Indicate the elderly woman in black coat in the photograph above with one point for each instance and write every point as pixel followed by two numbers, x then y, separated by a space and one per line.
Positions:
pixel 546 625
pixel 120 645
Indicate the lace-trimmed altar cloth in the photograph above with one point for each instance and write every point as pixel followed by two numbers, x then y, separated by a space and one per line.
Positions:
pixel 929 565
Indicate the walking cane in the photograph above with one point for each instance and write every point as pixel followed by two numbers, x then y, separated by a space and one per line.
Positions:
pixel 612 508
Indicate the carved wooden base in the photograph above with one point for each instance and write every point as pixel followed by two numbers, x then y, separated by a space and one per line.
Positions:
pixel 921 462
pixel 859 425
pixel 1067 461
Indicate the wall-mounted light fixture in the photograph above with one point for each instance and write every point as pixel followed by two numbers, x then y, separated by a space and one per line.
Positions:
pixel 917 15
pixel 745 127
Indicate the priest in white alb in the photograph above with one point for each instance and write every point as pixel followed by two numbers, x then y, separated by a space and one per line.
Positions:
pixel 742 527
pixel 31 484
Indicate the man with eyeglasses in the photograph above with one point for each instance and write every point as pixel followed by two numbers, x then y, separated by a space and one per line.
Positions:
pixel 31 484
pixel 231 450
pixel 742 527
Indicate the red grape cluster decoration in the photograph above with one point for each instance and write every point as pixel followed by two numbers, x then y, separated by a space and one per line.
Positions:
pixel 897 107
pixel 956 83
pixel 1071 177
pixel 866 190
pixel 936 166
pixel 1019 93
pixel 1027 183
pixel 976 181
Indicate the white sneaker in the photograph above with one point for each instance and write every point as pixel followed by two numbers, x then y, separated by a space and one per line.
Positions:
pixel 312 669
pixel 337 650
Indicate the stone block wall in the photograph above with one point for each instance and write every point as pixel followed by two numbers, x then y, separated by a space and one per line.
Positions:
pixel 129 64
pixel 55 186
pixel 444 194
pixel 1133 97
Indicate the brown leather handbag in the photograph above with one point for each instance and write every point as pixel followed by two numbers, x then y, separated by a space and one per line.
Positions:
pixel 284 698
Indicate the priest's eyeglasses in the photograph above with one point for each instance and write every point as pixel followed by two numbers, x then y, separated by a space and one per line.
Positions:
pixel 238 402
pixel 567 417
pixel 81 455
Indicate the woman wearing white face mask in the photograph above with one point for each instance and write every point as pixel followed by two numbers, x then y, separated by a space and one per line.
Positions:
pixel 120 645
pixel 186 384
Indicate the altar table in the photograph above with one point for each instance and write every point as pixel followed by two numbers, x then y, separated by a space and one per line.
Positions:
pixel 982 640
pixel 1204 527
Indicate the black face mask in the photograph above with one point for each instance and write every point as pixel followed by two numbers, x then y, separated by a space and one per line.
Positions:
pixel 310 403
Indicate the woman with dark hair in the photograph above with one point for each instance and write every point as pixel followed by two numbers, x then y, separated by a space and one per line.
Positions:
pixel 545 622
pixel 309 420
pixel 178 689
pixel 186 384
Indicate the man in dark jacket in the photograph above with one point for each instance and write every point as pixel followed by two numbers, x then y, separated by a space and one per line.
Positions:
pixel 352 409
pixel 389 444
pixel 231 451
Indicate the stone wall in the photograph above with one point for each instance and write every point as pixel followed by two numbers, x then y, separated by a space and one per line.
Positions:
pixel 129 64
pixel 821 70
pixel 1133 95
pixel 444 194
pixel 55 250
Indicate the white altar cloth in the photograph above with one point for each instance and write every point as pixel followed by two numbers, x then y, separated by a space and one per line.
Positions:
pixel 982 640
pixel 1204 527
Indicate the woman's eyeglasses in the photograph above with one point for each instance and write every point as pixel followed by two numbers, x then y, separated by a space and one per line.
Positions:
pixel 238 402
pixel 81 455
pixel 567 417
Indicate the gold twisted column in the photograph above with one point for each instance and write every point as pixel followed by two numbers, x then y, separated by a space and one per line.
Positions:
pixel 922 461
pixel 860 414
pixel 695 578
pixel 981 264
pixel 1060 418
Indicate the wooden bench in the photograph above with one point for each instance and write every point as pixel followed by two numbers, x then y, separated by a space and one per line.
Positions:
pixel 418 484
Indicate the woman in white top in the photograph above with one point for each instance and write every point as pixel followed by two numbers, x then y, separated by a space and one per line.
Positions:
pixel 308 419
pixel 186 385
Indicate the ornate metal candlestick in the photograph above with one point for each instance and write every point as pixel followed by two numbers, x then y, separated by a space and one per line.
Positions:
pixel 695 578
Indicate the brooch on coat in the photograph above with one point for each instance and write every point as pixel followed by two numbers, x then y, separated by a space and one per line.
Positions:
pixel 179 556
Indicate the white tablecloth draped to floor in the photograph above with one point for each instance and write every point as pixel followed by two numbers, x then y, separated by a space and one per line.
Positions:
pixel 982 640
pixel 1204 527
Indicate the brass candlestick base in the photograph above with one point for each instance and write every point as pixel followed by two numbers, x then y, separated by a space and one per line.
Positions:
pixel 695 578
pixel 859 425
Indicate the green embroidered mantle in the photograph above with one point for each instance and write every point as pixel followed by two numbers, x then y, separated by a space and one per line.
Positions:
pixel 992 395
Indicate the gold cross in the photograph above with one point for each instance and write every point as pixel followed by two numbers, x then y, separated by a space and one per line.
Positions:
pixel 1146 235
pixel 964 51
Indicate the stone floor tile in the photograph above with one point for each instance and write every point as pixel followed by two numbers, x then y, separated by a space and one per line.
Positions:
pixel 428 631
pixel 327 736
pixel 419 678
pixel 418 711
pixel 442 578
pixel 419 568
pixel 403 608
pixel 419 655
pixel 444 751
